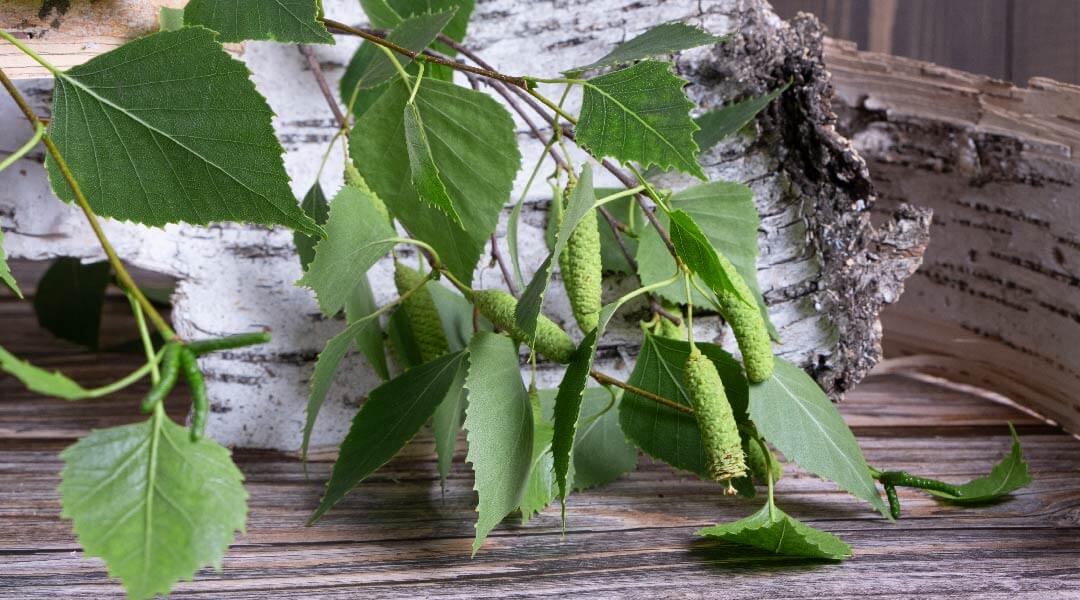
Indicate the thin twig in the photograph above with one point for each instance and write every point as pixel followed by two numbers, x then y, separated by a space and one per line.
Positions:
pixel 320 79
pixel 657 308
pixel 497 254
pixel 122 274
pixel 608 380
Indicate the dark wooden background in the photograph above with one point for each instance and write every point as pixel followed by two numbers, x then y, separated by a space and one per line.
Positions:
pixel 1013 40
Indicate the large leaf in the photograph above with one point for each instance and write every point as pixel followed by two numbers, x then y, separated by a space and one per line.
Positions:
pixel 662 39
pixel 357 236
pixel 661 431
pixel 392 415
pixel 169 128
pixel 580 202
pixel 315 206
pixel 69 300
pixel 279 20
pixel 50 383
pixel 360 305
pixel 499 426
pixel 1009 475
pixel 568 407
pixel 154 505
pixel 473 142
pixel 370 69
pixel 422 168
pixel 780 534
pixel 640 114
pixel 5 270
pixel 792 413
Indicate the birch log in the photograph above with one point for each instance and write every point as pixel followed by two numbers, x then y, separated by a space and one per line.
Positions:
pixel 825 270
pixel 997 302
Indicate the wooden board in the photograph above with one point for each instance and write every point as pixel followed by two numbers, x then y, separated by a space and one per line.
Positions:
pixel 398 535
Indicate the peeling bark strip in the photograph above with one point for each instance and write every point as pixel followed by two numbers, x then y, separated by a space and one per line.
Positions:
pixel 826 272
pixel 997 302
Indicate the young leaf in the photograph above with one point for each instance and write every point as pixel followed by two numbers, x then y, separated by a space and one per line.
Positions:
pixel 698 253
pixel 392 415
pixel 455 29
pixel 315 206
pixel 154 505
pixel 5 271
pixel 278 20
pixel 170 19
pixel 663 432
pixel 668 38
pixel 581 200
pixel 1009 475
pixel 126 124
pixel 370 68
pixel 499 426
pixel 568 407
pixel 50 383
pixel 718 124
pixel 357 236
pixel 69 300
pixel 360 305
pixel 473 141
pixel 780 534
pixel 380 13
pixel 446 424
pixel 422 168
pixel 601 452
pixel 640 114
pixel 540 488
pixel 791 411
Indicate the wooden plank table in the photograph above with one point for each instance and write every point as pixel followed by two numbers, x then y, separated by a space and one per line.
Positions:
pixel 398 534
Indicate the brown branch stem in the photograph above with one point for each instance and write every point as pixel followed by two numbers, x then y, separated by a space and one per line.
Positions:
pixel 497 254
pixel 608 380
pixel 324 87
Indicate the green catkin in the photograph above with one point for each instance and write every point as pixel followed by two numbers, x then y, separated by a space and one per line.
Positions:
pixel 422 314
pixel 749 327
pixel 894 500
pixel 582 272
pixel 170 371
pixel 200 402
pixel 716 422
pixel 551 341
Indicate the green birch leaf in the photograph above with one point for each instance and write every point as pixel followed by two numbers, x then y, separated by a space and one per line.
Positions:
pixel 795 416
pixel 457 27
pixel 1009 475
pixel 640 114
pixel 399 331
pixel 422 168
pixel 380 13
pixel 126 123
pixel 456 314
pixel 170 19
pixel 663 432
pixel 357 237
pixel 699 254
pixel 601 452
pixel 473 141
pixel 315 206
pixel 50 383
pixel 499 426
pixel 360 305
pixel 540 487
pixel 780 534
pixel 70 298
pixel 718 124
pixel 581 200
pixel 370 69
pixel 668 38
pixel 278 20
pixel 154 505
pixel 392 415
pixel 5 271
pixel 446 424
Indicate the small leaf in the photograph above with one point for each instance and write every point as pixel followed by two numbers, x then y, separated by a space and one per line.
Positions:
pixel 380 13
pixel 422 168
pixel 698 253
pixel 568 408
pixel 315 206
pixel 392 415
pixel 446 423
pixel 581 200
pixel 278 20
pixel 70 298
pixel 169 128
pixel 661 431
pixel 360 305
pixel 795 416
pixel 474 143
pixel 154 505
pixel 50 383
pixel 640 114
pixel 456 314
pixel 499 426
pixel 540 488
pixel 457 27
pixel 668 38
pixel 780 534
pixel 718 124
pixel 5 271
pixel 170 19
pixel 357 236
pixel 1009 475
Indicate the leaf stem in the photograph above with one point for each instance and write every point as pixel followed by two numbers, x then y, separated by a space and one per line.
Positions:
pixel 689 310
pixel 122 274
pixel 27 50
pixel 419 79
pixel 39 131
pixel 420 244
pixel 618 195
pixel 132 378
